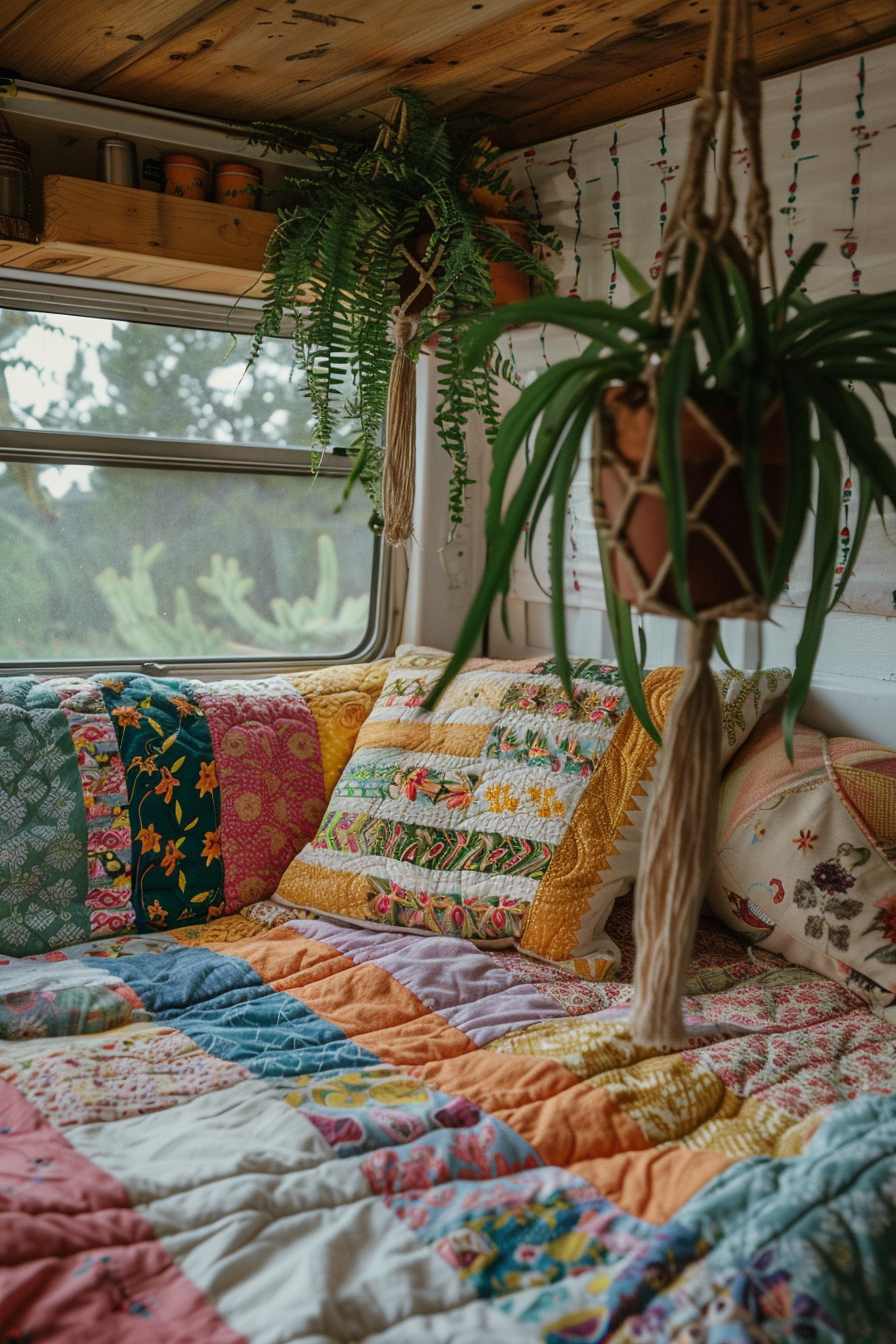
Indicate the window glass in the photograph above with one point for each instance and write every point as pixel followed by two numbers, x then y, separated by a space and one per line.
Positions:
pixel 105 561
pixel 105 376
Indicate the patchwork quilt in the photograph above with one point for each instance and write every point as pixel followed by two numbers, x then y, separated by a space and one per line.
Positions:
pixel 329 1134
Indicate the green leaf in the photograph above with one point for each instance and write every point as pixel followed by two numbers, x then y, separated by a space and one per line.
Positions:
pixel 620 619
pixel 754 401
pixel 795 404
pixel 567 457
pixel 824 558
pixel 672 390
pixel 636 280
pixel 867 496
pixel 799 272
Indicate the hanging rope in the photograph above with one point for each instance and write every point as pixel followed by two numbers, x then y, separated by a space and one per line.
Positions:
pixel 680 831
pixel 400 460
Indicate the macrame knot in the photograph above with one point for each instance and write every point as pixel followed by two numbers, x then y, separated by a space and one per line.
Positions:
pixel 400 464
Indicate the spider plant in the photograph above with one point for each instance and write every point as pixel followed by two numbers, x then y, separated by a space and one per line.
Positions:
pixel 735 348
pixel 338 259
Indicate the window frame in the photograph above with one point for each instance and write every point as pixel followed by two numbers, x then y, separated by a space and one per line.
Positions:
pixel 209 312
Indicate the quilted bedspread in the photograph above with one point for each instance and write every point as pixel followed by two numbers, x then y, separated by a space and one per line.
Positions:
pixel 332 1134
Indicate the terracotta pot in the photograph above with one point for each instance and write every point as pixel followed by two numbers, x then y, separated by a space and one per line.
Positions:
pixel 235 183
pixel 625 423
pixel 185 175
pixel 509 283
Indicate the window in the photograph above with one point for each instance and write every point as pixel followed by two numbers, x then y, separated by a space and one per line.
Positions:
pixel 159 503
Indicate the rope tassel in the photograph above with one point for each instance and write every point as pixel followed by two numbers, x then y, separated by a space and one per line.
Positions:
pixel 677 852
pixel 399 466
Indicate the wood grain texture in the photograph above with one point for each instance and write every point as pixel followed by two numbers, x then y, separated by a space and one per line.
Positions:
pixel 546 69
pixel 116 233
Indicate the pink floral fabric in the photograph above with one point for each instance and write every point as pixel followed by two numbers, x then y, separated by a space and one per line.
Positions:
pixel 268 763
pixel 806 856
pixel 109 876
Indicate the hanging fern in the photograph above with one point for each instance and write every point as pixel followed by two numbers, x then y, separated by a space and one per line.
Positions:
pixel 336 268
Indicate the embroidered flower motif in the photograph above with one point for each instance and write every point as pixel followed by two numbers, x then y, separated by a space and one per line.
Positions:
pixel 886 920
pixel 805 840
pixel 832 878
pixel 171 857
pixel 167 784
pixel 212 847
pixel 184 708
pixel 156 913
pixel 208 778
pixel 149 839
pixel 127 716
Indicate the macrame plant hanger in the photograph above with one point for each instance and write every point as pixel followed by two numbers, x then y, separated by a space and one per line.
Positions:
pixel 399 464
pixel 680 831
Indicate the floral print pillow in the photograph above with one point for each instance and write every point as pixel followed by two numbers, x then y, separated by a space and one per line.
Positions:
pixel 147 804
pixel 806 855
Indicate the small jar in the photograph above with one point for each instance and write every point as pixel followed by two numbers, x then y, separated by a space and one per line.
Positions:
pixel 15 175
pixel 235 185
pixel 185 175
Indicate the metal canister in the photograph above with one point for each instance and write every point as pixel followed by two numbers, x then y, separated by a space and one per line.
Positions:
pixel 15 175
pixel 116 161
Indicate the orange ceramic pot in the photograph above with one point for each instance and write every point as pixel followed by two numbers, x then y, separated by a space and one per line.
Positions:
pixel 235 183
pixel 626 417
pixel 510 285
pixel 185 175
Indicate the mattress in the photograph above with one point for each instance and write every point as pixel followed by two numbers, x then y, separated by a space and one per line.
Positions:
pixel 326 1134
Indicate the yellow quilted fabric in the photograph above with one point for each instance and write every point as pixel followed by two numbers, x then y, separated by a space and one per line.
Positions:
pixel 340 699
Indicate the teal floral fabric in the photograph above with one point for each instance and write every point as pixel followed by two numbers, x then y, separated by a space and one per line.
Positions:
pixel 173 798
pixel 43 827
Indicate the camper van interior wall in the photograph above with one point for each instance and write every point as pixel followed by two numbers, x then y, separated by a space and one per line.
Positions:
pixel 383 253
pixel 708 344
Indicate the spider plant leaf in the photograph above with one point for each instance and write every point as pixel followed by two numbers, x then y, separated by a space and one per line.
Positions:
pixel 673 387
pixel 642 650
pixel 620 618
pixel 567 457
pixel 852 420
pixel 639 285
pixel 754 399
pixel 824 558
pixel 503 545
pixel 868 494
pixel 798 274
pixel 515 429
pixel 720 650
pixel 556 400
pixel 746 312
pixel 718 318
pixel 549 484
pixel 592 318
pixel 796 406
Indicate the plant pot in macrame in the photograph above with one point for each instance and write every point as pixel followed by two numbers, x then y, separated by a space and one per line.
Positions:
pixel 509 283
pixel 629 500
pixel 706 466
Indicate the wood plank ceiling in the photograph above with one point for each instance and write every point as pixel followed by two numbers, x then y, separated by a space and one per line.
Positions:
pixel 546 69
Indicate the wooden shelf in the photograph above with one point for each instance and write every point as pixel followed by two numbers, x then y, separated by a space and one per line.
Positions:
pixel 118 233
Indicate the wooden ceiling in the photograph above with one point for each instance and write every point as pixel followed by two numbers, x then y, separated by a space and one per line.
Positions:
pixel 546 69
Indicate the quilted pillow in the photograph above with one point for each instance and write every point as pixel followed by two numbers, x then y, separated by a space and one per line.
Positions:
pixel 340 699
pixel 499 816
pixel 806 855
pixel 131 802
